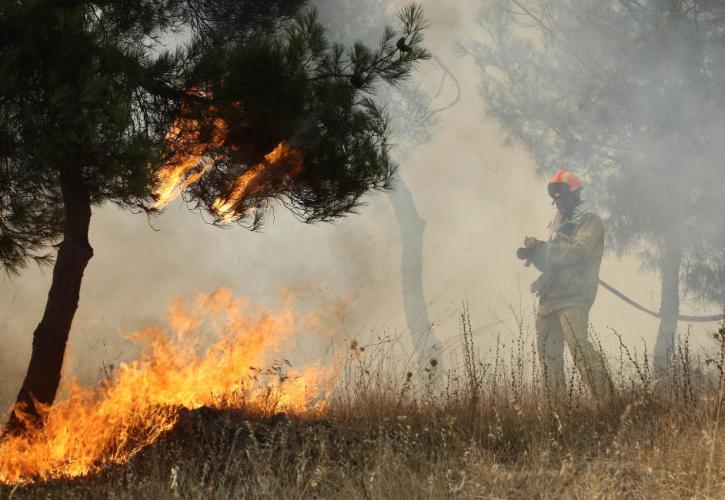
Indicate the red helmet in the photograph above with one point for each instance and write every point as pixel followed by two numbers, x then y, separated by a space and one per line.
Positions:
pixel 564 182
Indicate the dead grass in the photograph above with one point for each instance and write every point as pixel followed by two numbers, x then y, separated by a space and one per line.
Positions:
pixel 488 430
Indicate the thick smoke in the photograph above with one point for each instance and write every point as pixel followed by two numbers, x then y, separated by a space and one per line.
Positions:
pixel 630 93
pixel 477 196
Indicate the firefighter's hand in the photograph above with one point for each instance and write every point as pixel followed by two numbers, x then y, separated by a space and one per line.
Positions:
pixel 530 242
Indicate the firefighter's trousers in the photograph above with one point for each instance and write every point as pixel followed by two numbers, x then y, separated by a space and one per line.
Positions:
pixel 570 325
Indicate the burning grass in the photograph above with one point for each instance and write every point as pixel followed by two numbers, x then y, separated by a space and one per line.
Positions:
pixel 488 430
pixel 97 426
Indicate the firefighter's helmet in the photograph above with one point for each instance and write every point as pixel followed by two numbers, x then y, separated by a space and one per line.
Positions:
pixel 564 182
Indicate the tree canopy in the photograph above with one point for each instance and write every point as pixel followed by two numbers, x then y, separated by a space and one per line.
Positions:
pixel 256 105
pixel 84 85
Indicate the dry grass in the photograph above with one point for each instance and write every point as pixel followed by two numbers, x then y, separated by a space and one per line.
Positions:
pixel 487 431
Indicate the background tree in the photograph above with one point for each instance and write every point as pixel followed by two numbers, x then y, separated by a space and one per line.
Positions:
pixel 414 112
pixel 258 106
pixel 629 93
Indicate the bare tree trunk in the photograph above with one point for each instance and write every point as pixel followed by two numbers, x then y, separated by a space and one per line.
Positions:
pixel 420 327
pixel 50 337
pixel 669 305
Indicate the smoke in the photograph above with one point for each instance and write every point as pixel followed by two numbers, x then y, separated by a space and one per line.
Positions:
pixel 477 196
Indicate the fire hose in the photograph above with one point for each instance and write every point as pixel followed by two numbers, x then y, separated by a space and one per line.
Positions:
pixel 524 254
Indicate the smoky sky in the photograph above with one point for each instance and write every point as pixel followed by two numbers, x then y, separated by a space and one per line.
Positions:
pixel 478 197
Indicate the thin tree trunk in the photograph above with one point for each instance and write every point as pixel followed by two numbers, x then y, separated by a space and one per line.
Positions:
pixel 669 305
pixel 427 345
pixel 50 337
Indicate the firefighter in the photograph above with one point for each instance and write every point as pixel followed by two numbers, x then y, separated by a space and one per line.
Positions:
pixel 569 262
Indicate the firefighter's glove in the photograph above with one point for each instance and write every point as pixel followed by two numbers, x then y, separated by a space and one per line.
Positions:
pixel 527 251
pixel 524 253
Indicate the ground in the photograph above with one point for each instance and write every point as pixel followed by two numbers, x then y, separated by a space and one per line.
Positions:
pixel 489 432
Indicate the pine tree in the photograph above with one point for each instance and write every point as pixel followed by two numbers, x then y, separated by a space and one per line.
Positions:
pixel 258 106
pixel 414 112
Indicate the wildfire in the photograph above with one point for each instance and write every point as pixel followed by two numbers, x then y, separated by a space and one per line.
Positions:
pixel 256 179
pixel 194 157
pixel 109 423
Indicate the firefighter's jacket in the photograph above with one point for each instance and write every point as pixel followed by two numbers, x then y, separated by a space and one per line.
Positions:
pixel 569 263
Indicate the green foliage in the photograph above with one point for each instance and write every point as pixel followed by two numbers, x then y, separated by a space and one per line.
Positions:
pixel 83 86
pixel 410 106
pixel 295 86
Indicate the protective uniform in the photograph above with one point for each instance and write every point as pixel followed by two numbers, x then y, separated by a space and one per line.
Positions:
pixel 569 263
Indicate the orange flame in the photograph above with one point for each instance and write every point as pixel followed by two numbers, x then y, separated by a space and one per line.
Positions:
pixel 108 424
pixel 253 180
pixel 177 174
pixel 193 157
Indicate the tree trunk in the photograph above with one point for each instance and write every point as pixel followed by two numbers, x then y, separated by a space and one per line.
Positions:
pixel 669 305
pixel 415 307
pixel 50 337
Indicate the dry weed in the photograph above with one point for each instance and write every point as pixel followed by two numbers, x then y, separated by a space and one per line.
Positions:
pixel 489 430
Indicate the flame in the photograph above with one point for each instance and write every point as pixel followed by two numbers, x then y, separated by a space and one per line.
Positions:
pixel 193 157
pixel 253 180
pixel 109 423
pixel 192 154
